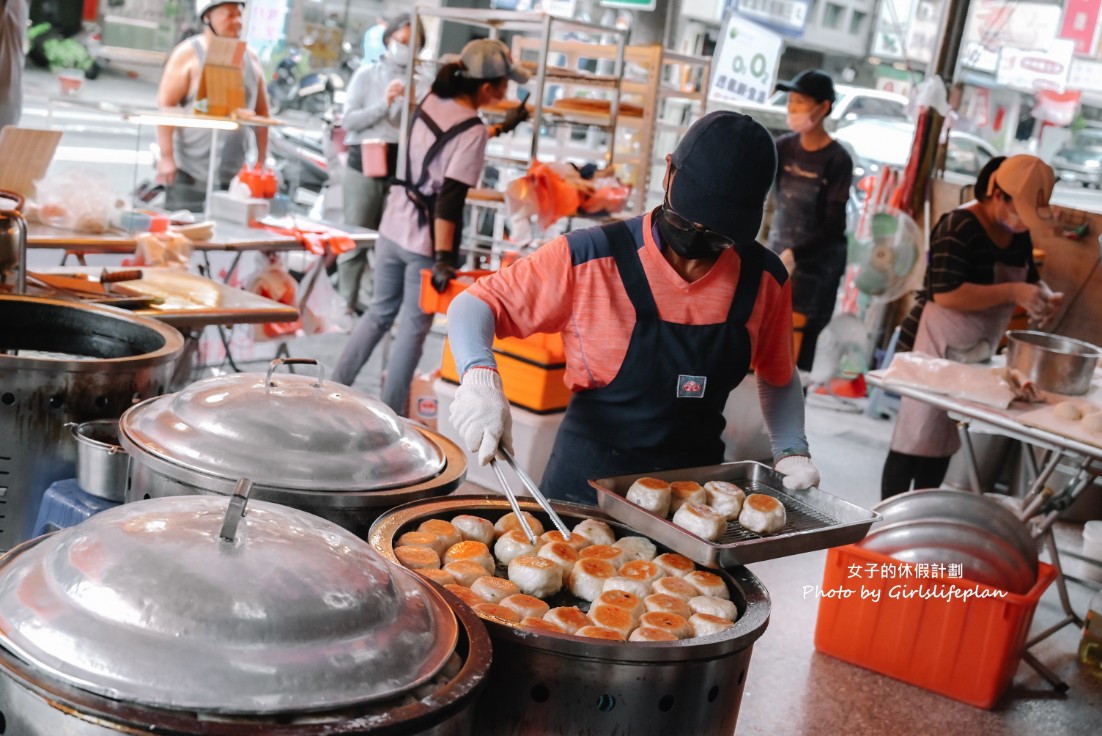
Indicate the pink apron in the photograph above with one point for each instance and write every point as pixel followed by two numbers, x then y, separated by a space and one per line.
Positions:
pixel 967 337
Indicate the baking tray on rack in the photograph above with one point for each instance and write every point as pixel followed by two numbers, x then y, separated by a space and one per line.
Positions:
pixel 816 519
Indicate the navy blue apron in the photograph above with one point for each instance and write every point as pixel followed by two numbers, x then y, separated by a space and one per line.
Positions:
pixel 664 408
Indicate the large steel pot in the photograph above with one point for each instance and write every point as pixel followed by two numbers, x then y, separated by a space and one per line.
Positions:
pixel 63 363
pixel 160 616
pixel 549 683
pixel 318 446
pixel 1055 363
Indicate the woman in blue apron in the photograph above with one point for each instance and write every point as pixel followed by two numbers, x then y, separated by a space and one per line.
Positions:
pixel 980 267
pixel 663 407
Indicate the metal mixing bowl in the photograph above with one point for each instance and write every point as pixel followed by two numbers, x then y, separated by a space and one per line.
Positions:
pixel 1055 363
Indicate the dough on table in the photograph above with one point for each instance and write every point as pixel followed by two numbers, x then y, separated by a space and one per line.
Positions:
pixel 1067 410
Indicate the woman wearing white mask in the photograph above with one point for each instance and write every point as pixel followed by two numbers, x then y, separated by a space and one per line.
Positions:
pixel 980 266
pixel 372 112
pixel 809 224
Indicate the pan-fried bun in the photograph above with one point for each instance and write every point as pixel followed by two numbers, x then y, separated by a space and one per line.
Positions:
pixel 445 531
pixel 726 498
pixel 663 603
pixel 526 605
pixel 473 551
pixel 703 624
pixel 677 587
pixel 708 583
pixel 714 607
pixel 475 528
pixel 511 545
pixel 701 520
pixel 623 599
pixel 762 514
pixel 465 572
pixel 536 576
pixel 561 553
pixel 597 532
pixel 618 619
pixel 423 539
pixel 465 595
pixel 646 633
pixel 675 564
pixel 686 491
pixel 636 548
pixel 567 618
pixel 440 577
pixel 418 558
pixel 587 579
pixel 648 572
pixel 542 625
pixel 497 610
pixel 669 622
pixel 610 554
pixel 494 590
pixel 509 522
pixel 599 632
pixel 638 588
pixel 651 494
pixel 577 541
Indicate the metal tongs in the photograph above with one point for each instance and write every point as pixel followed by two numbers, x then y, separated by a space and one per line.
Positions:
pixel 532 488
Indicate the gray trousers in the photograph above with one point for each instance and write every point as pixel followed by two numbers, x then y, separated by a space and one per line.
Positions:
pixel 397 284
pixel 364 197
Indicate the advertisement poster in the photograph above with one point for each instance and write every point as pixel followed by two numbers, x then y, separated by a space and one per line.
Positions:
pixel 745 67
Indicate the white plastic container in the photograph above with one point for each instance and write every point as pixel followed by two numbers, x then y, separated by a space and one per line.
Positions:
pixel 239 210
pixel 1092 541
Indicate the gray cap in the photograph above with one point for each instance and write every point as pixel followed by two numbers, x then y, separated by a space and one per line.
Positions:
pixel 487 58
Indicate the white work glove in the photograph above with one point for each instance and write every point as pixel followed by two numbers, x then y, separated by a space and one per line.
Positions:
pixel 480 413
pixel 798 471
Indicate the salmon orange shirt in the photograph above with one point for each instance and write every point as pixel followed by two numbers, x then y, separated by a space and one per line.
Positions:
pixel 576 290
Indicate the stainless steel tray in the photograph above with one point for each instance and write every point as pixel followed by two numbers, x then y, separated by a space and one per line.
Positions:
pixel 816 519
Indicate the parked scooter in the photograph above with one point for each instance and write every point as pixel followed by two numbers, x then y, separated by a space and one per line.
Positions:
pixel 307 157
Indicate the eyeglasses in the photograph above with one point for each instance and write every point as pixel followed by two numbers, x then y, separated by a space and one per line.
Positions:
pixel 679 223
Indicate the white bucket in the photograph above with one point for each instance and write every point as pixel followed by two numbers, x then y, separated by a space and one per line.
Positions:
pixel 1092 540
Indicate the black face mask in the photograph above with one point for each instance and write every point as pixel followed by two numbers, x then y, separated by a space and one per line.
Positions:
pixel 689 244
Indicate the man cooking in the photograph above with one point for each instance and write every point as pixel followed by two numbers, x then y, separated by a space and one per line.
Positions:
pixel 185 152
pixel 661 316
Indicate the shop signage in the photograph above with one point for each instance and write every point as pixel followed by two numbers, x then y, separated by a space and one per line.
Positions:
pixel 1080 24
pixel 923 30
pixel 745 66
pixel 889 36
pixel 629 4
pixel 785 16
pixel 1031 70
pixel 267 22
pixel 1085 75
pixel 993 25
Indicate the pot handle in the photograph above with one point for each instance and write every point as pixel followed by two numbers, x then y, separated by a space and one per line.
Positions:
pixel 236 510
pixel 295 361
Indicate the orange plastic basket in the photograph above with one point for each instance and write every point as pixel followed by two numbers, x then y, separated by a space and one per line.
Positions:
pixel 534 383
pixel 433 301
pixel 967 649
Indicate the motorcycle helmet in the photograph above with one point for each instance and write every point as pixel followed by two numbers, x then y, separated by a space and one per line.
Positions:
pixel 203 6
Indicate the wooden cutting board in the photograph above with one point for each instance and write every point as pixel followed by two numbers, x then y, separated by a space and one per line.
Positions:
pixel 1045 418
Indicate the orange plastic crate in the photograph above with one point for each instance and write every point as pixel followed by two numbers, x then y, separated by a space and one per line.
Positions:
pixel 433 301
pixel 532 371
pixel 964 649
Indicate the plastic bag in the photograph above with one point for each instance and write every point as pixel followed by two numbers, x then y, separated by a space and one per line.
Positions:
pixel 168 248
pixel 76 200
pixel 324 308
pixel 275 283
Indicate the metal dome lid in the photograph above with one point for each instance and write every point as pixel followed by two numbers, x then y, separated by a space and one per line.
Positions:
pixel 150 603
pixel 293 431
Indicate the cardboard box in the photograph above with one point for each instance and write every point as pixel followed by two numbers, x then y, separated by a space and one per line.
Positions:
pixel 242 211
pixel 222 81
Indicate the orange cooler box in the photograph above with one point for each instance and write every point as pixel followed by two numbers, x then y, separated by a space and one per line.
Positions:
pixel 532 371
pixel 965 649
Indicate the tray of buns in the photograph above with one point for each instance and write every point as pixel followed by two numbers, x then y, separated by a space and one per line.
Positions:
pixel 731 514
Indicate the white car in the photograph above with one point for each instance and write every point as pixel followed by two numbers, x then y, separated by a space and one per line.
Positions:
pixel 877 143
pixel 852 104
